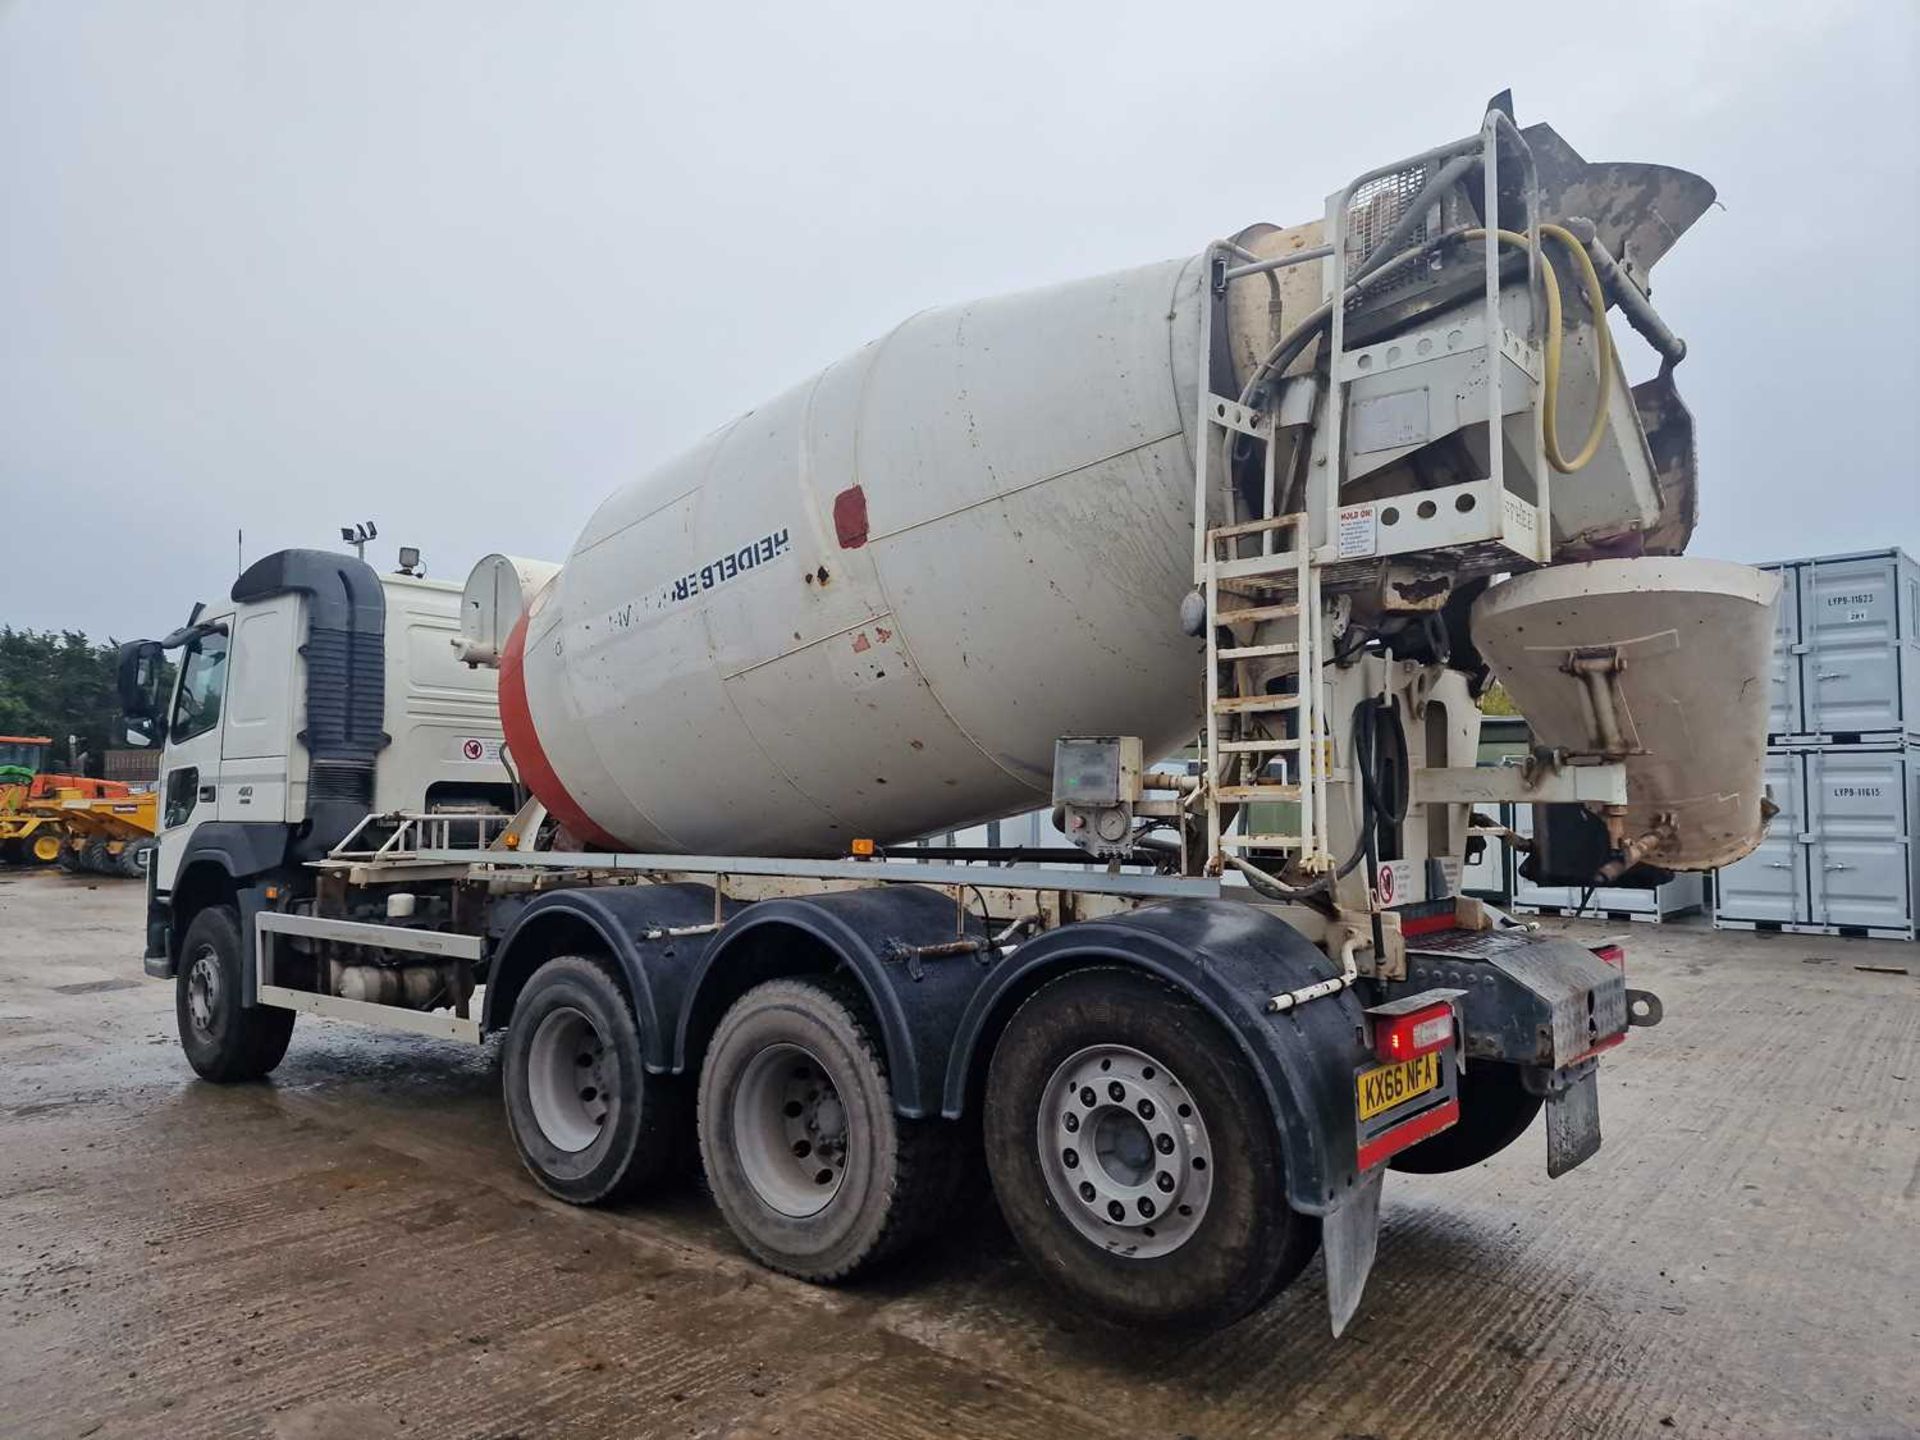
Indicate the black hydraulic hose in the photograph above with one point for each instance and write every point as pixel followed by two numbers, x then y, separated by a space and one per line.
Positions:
pixel 1385 788
pixel 1384 793
pixel 1303 334
pixel 1383 774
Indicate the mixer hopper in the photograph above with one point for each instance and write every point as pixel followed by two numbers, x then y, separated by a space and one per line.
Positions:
pixel 1660 662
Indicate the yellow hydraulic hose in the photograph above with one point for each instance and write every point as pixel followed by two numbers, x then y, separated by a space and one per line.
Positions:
pixel 1596 298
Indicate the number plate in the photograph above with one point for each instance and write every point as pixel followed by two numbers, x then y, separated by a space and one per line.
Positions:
pixel 1385 1086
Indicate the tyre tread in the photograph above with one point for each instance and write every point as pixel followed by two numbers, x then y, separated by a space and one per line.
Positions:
pixel 264 1032
pixel 659 1139
pixel 928 1153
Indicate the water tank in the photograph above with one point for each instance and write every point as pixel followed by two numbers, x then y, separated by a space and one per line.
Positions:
pixel 869 607
pixel 1681 647
pixel 499 588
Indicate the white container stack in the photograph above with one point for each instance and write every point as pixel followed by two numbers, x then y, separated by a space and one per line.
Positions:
pixel 1843 855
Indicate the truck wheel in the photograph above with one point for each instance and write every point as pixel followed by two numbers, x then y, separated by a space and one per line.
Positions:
pixel 1495 1111
pixel 225 1041
pixel 590 1124
pixel 807 1159
pixel 1135 1157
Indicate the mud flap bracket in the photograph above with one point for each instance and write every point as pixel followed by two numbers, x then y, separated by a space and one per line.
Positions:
pixel 1348 1238
pixel 1573 1116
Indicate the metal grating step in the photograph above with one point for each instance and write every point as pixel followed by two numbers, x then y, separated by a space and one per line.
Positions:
pixel 1255 613
pixel 1255 793
pixel 1254 704
pixel 1257 527
pixel 1258 652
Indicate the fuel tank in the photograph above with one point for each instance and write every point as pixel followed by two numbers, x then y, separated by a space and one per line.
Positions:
pixel 869 607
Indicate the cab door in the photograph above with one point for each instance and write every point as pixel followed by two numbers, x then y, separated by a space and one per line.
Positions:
pixel 190 773
pixel 256 722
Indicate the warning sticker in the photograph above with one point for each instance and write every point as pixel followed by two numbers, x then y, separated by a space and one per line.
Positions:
pixel 1358 534
pixel 478 750
pixel 1396 883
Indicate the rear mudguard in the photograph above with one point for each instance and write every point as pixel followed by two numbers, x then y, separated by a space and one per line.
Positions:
pixel 1232 958
pixel 940 1014
pixel 1535 1000
pixel 623 923
pixel 682 984
pixel 1543 1003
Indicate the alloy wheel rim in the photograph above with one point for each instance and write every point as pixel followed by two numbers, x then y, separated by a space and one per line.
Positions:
pixel 1125 1151
pixel 569 1080
pixel 791 1130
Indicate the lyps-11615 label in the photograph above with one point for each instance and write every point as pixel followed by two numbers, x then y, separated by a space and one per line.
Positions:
pixel 715 572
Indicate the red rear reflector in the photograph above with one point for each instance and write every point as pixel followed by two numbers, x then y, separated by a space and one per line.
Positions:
pixel 1406 1036
pixel 1614 955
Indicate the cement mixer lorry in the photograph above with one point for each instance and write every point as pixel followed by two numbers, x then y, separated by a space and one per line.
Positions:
pixel 1213 558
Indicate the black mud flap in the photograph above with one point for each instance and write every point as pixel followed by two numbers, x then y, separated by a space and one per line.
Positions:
pixel 1349 1236
pixel 1573 1117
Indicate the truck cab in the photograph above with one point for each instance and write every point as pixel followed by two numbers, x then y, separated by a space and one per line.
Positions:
pixel 319 693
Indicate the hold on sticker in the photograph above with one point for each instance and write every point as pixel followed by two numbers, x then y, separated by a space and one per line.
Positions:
pixel 1358 534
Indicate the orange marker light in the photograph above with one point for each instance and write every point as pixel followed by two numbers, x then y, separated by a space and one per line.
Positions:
pixel 863 849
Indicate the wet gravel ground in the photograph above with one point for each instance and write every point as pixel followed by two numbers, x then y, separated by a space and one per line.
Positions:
pixel 353 1250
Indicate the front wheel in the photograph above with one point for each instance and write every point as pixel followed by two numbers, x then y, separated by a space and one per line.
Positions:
pixel 224 1040
pixel 1135 1157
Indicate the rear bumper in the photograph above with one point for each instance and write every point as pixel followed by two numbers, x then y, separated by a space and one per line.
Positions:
pixel 1546 1005
pixel 1533 1000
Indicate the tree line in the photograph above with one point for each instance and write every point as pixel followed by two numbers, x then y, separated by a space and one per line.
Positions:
pixel 62 684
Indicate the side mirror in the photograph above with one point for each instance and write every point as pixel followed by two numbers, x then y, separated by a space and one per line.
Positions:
pixel 142 686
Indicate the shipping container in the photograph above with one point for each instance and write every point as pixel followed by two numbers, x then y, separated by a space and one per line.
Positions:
pixel 1840 857
pixel 1770 886
pixel 1846 658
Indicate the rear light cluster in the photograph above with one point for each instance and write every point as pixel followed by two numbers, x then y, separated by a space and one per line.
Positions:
pixel 1405 1036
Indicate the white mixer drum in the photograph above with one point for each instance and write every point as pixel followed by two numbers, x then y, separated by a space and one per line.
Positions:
pixel 1692 639
pixel 869 607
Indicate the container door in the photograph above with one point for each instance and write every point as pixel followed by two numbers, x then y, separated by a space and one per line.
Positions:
pixel 1784 715
pixel 1849 621
pixel 1770 885
pixel 1857 801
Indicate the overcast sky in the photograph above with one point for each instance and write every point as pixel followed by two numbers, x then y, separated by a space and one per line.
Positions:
pixel 463 267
